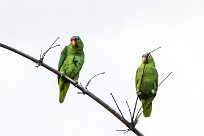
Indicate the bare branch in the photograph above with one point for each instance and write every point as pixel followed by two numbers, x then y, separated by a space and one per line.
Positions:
pixel 136 118
pixel 129 111
pixel 124 131
pixel 117 105
pixel 133 116
pixel 79 86
pixel 42 56
pixel 121 130
pixel 164 79
pixel 50 47
pixel 154 50
pixel 93 78
pixel 140 113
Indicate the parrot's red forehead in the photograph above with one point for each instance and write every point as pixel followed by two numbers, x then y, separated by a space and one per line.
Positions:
pixel 73 39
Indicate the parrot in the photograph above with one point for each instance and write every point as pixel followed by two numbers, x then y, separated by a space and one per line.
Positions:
pixel 146 82
pixel 70 63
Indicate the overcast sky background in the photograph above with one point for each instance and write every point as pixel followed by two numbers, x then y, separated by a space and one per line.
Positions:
pixel 115 33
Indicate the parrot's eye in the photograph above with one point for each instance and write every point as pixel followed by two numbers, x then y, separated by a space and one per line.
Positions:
pixel 149 57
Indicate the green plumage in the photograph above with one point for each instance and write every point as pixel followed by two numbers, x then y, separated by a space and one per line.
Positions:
pixel 70 64
pixel 146 82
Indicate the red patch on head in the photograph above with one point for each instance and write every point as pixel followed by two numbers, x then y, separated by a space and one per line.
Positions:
pixel 74 39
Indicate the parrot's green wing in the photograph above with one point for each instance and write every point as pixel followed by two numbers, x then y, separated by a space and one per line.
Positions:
pixel 62 57
pixel 138 78
pixel 156 79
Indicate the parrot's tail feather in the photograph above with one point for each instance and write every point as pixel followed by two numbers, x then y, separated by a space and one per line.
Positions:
pixel 63 86
pixel 147 109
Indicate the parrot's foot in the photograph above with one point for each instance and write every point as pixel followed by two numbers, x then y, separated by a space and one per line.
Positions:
pixel 139 93
pixel 62 74
pixel 154 92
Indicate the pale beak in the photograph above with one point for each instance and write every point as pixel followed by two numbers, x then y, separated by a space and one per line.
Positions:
pixel 144 60
pixel 74 43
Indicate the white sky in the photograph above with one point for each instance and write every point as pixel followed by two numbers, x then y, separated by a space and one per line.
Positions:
pixel 115 33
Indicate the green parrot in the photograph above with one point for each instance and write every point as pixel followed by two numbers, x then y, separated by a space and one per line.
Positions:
pixel 70 64
pixel 146 81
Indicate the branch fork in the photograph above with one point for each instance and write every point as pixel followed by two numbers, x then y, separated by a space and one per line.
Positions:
pixel 42 56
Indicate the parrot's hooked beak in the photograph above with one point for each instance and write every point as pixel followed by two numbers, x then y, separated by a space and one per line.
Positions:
pixel 144 59
pixel 74 44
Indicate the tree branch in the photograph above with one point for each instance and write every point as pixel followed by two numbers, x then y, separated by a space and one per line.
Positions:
pixel 117 106
pixel 93 78
pixel 42 56
pixel 79 86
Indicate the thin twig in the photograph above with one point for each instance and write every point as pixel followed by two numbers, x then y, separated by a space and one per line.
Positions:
pixel 129 110
pixel 154 50
pixel 124 131
pixel 133 116
pixel 136 118
pixel 93 78
pixel 51 47
pixel 164 79
pixel 121 130
pixel 42 56
pixel 139 115
pixel 117 105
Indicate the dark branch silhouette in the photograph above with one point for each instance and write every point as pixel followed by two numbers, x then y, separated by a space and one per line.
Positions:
pixel 88 83
pixel 117 106
pixel 79 86
pixel 133 116
pixel 129 110
pixel 42 56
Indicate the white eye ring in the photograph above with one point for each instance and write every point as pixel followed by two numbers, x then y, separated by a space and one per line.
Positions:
pixel 149 57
